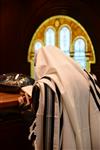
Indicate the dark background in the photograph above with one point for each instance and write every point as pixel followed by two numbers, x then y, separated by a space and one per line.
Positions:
pixel 20 18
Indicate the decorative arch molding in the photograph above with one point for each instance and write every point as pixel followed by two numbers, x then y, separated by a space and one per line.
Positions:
pixel 56 23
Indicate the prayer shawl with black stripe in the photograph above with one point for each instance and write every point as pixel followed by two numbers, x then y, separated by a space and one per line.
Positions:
pixel 94 112
pixel 49 118
pixel 66 112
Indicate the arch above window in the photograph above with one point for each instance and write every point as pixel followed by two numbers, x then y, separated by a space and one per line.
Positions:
pixel 67 34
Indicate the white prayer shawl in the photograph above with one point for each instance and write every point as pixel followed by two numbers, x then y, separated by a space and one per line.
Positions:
pixel 73 84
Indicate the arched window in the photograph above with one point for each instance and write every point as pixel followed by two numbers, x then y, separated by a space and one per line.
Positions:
pixel 37 45
pixel 50 37
pixel 64 40
pixel 67 34
pixel 79 52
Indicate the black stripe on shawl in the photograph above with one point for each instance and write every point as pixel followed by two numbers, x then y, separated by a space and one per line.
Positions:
pixel 35 98
pixel 61 115
pixel 45 77
pixel 95 84
pixel 48 120
pixel 93 94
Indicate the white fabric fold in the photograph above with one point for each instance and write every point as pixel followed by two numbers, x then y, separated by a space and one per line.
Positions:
pixel 73 85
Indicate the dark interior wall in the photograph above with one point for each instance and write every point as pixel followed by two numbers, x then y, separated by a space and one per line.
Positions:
pixel 19 20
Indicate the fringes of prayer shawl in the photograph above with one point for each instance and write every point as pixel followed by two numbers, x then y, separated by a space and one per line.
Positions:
pixel 47 126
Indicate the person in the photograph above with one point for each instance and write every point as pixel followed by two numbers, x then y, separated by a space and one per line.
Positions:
pixel 66 111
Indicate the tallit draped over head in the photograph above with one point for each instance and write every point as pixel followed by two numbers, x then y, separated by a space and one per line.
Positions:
pixel 72 83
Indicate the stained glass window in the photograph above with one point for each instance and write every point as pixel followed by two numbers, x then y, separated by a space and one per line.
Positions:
pixel 50 37
pixel 64 40
pixel 79 52
pixel 37 46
